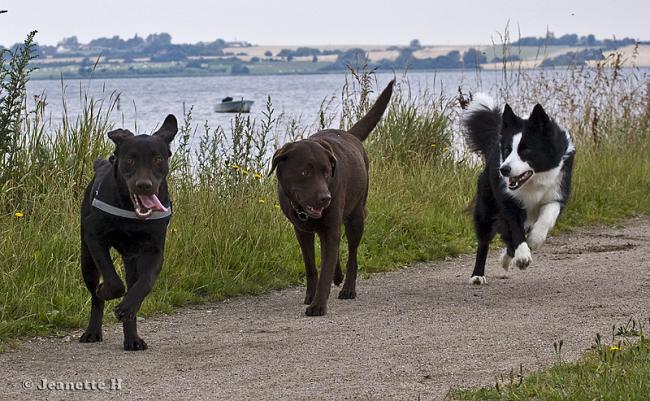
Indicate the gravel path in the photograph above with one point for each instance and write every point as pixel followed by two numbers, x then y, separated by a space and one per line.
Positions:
pixel 410 334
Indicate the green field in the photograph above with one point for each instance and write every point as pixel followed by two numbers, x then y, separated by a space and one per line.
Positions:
pixel 165 69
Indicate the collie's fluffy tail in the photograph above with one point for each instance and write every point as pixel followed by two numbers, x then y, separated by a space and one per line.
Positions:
pixel 363 127
pixel 481 121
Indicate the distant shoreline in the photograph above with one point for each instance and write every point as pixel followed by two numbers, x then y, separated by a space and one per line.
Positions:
pixel 335 72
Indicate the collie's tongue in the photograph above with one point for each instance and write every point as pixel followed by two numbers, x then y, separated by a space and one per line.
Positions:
pixel 151 202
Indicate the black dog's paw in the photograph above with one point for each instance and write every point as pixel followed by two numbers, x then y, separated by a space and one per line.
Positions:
pixel 91 337
pixel 316 310
pixel 134 344
pixel 106 291
pixel 308 298
pixel 125 312
pixel 347 294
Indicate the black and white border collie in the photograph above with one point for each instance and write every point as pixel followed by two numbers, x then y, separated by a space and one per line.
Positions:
pixel 526 181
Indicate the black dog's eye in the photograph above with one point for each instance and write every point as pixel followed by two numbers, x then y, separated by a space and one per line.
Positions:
pixel 130 162
pixel 158 161
pixel 305 173
pixel 524 149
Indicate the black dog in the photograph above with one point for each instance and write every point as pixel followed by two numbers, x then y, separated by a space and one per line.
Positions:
pixel 322 183
pixel 526 181
pixel 124 208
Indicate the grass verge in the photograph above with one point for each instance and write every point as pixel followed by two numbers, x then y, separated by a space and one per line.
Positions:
pixel 613 372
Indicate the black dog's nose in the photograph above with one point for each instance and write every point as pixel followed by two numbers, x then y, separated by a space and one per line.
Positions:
pixel 505 171
pixel 144 185
pixel 325 199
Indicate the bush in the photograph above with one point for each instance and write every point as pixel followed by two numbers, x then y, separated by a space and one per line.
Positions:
pixel 239 69
pixel 13 82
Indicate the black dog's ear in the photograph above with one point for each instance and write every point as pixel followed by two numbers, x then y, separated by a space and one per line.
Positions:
pixel 118 135
pixel 169 129
pixel 539 117
pixel 280 155
pixel 508 119
pixel 330 153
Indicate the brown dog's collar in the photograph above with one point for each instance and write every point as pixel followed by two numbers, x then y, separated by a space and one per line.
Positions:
pixel 302 215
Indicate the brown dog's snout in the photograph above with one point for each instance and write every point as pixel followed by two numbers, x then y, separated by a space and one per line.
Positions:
pixel 324 199
pixel 144 185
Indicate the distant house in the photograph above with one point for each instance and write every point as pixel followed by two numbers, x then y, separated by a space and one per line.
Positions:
pixel 238 44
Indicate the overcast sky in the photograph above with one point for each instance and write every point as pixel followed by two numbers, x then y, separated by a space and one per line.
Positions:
pixel 308 22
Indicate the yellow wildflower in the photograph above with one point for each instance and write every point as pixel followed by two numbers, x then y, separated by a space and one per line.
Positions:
pixel 234 166
pixel 257 176
pixel 19 214
pixel 245 172
pixel 614 348
pixel 276 206
pixel 262 200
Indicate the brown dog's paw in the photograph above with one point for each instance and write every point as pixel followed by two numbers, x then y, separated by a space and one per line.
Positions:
pixel 124 312
pixel 134 344
pixel 308 298
pixel 338 276
pixel 316 310
pixel 106 291
pixel 91 337
pixel 347 294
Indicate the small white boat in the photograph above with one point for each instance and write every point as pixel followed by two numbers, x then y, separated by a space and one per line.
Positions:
pixel 229 105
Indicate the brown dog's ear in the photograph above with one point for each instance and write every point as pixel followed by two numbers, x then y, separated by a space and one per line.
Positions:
pixel 330 153
pixel 280 155
pixel 118 135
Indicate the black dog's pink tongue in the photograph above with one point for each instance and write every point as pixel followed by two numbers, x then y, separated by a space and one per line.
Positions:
pixel 151 202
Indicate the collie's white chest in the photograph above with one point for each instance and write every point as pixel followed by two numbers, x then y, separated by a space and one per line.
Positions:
pixel 541 189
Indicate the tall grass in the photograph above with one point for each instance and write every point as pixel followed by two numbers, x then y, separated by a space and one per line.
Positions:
pixel 228 235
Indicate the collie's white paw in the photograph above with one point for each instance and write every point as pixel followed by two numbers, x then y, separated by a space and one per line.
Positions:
pixel 505 259
pixel 536 237
pixel 523 258
pixel 478 280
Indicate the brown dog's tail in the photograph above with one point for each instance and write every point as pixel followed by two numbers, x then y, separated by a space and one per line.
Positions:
pixel 364 126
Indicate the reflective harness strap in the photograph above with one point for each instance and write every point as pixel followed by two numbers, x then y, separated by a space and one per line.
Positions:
pixel 128 214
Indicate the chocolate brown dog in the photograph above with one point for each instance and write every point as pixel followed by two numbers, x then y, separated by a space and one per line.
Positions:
pixel 323 183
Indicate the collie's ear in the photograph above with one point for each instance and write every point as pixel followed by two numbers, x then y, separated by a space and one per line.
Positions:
pixel 508 119
pixel 280 155
pixel 539 117
pixel 330 153
pixel 169 129
pixel 119 135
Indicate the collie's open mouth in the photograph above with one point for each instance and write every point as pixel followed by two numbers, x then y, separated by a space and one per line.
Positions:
pixel 518 181
pixel 144 205
pixel 314 212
